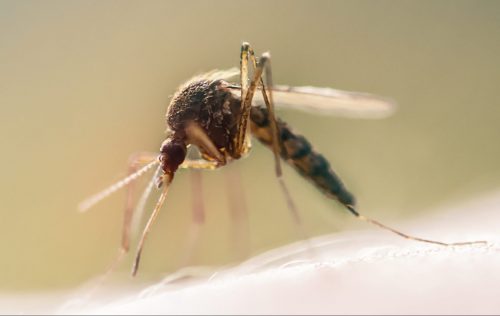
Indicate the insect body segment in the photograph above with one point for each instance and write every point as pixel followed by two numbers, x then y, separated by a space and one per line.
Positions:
pixel 205 113
pixel 215 116
pixel 298 152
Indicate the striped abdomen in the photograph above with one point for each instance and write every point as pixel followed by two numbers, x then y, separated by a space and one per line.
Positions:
pixel 298 152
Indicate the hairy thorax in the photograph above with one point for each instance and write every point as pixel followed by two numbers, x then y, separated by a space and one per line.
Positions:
pixel 212 106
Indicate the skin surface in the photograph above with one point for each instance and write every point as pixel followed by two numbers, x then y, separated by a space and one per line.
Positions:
pixel 357 272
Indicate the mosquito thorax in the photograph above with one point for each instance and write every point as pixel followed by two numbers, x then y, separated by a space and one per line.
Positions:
pixel 172 154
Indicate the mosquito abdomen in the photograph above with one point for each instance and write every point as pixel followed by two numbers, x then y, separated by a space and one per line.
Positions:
pixel 298 152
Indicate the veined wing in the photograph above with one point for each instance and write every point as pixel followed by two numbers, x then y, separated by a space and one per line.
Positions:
pixel 326 101
pixel 215 74
pixel 329 101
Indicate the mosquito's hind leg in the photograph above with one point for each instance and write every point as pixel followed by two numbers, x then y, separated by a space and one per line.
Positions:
pixel 264 63
pixel 247 93
pixel 406 236
pixel 267 93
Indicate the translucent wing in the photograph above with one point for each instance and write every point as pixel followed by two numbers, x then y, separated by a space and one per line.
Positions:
pixel 214 74
pixel 221 74
pixel 326 101
pixel 329 101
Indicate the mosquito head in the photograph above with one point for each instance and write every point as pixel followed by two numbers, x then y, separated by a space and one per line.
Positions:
pixel 172 154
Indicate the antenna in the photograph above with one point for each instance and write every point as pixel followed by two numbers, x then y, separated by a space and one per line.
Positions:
pixel 93 200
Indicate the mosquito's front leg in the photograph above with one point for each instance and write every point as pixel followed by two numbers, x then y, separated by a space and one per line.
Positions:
pixel 167 180
pixel 135 162
pixel 197 136
pixel 135 169
pixel 264 63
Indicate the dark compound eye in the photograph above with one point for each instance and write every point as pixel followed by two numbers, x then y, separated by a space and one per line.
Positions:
pixel 173 154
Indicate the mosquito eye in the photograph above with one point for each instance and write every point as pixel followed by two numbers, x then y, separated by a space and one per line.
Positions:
pixel 172 155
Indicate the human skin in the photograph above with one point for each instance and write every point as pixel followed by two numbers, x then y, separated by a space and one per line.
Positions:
pixel 358 272
pixel 368 272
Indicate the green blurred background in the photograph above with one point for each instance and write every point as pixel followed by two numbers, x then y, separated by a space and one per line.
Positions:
pixel 84 84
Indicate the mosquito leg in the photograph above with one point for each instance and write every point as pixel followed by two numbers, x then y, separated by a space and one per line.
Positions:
pixel 198 137
pixel 247 93
pixel 246 102
pixel 199 164
pixel 135 162
pixel 239 215
pixel 265 63
pixel 406 236
pixel 141 204
pixel 245 48
pixel 198 206
pixel 135 170
pixel 198 220
pixel 167 180
pixel 198 212
pixel 237 205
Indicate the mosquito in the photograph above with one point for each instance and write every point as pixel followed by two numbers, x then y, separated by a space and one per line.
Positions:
pixel 218 117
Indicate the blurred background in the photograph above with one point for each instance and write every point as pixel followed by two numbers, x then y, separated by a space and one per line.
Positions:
pixel 84 84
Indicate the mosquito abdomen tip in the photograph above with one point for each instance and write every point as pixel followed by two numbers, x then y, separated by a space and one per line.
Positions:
pixel 346 198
